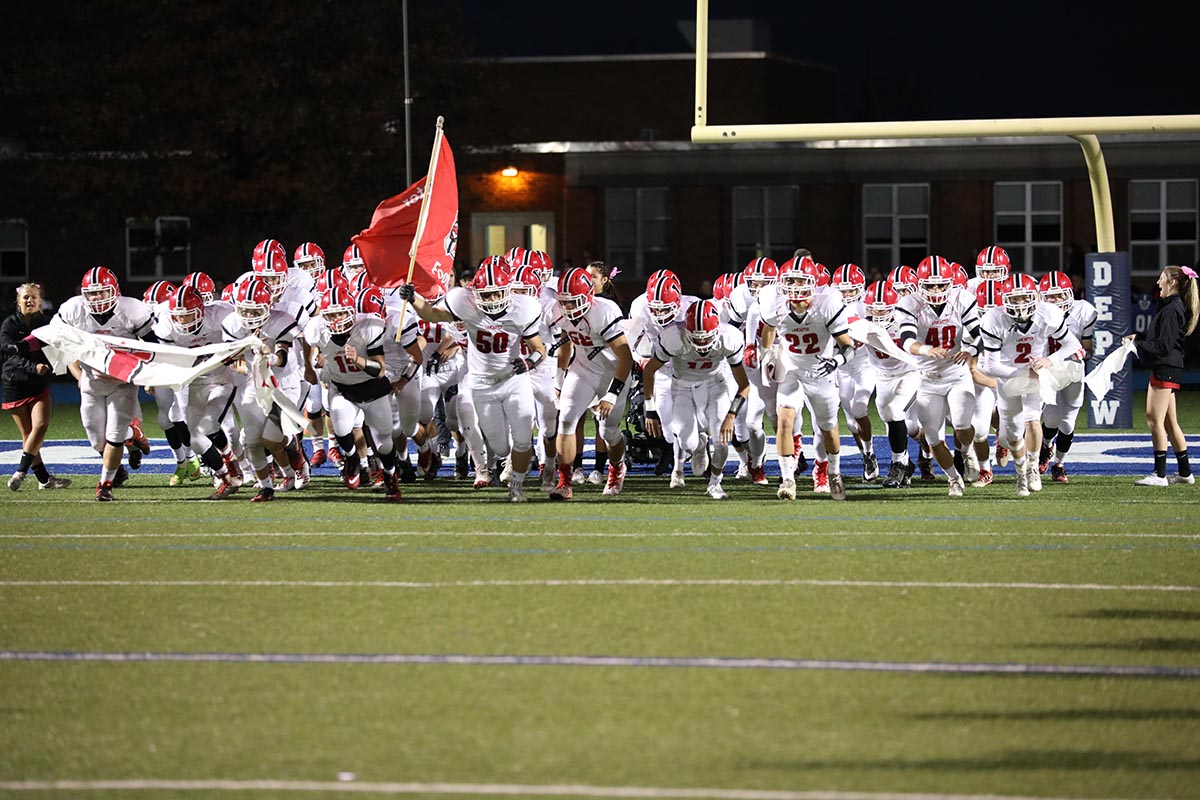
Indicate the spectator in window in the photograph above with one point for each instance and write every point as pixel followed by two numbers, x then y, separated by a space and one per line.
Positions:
pixel 1162 350
pixel 26 377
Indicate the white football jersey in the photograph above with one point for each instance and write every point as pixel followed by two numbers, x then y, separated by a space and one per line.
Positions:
pixel 395 356
pixel 1081 319
pixel 1017 344
pixel 642 331
pixel 494 342
pixel 884 363
pixel 690 366
pixel 602 324
pixel 130 318
pixel 807 337
pixel 737 305
pixel 279 327
pixel 367 338
pixel 953 327
pixel 210 331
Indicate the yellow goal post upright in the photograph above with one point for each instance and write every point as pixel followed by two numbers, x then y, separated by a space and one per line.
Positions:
pixel 1083 130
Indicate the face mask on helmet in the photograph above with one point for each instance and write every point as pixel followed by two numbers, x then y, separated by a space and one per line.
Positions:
pixel 252 315
pixel 934 290
pixel 703 341
pixel 799 287
pixel 576 306
pixel 991 272
pixel 492 300
pixel 187 320
pixel 338 319
pixel 1020 304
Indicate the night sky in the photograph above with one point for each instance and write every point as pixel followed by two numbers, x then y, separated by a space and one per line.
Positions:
pixel 908 60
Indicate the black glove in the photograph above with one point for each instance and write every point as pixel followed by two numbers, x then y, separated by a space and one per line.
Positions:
pixel 406 292
pixel 521 365
pixel 826 366
pixel 433 364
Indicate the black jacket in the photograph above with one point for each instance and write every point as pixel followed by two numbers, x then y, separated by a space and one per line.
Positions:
pixel 1163 345
pixel 20 372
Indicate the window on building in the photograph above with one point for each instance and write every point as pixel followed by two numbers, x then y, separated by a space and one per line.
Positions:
pixel 636 222
pixel 895 225
pixel 1162 224
pixel 14 250
pixel 764 223
pixel 1029 225
pixel 158 248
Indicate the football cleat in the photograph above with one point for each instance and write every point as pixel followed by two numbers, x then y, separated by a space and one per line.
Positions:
pixel 265 495
pixel 405 471
pixel 677 481
pixel 956 487
pixel 55 483
pixel 743 472
pixel 820 475
pixel 134 453
pixel 925 464
pixel 985 478
pixel 193 469
pixel 616 479
pixel 377 478
pixel 506 472
pixel 1022 480
pixel 1002 455
pixel 335 456
pixel 971 464
pixel 424 459
pixel 1035 477
pixel 837 487
pixel 435 463
pixel 391 482
pixel 549 477
pixel 1044 460
pixel 104 492
pixel 460 467
pixel 578 476
pixel 870 467
pixel 120 478
pixel 1186 480
pixel 139 437
pixel 483 479
pixel 16 480
pixel 1059 474
pixel 288 484
pixel 594 477
pixel 1152 480
pixel 666 461
pixel 317 458
pixel 895 476
pixel 303 475
pixel 700 460
pixel 181 470
pixel 715 491
pixel 234 469
pixel 516 493
pixel 352 480
pixel 759 476
pixel 224 490
pixel 562 491
pixel 787 490
pixel 909 469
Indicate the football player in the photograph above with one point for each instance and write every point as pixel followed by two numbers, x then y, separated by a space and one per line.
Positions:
pixel 856 378
pixel 1058 418
pixel 896 385
pixel 528 281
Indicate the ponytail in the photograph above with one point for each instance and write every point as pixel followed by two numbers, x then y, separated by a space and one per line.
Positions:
pixel 1186 284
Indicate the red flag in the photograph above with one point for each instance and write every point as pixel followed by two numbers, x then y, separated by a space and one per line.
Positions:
pixel 396 224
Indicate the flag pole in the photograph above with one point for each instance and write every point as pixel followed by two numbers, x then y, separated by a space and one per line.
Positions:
pixel 422 217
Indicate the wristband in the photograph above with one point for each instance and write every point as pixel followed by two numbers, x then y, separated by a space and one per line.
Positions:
pixel 736 406
pixel 372 368
pixel 559 377
pixel 609 398
pixel 410 371
pixel 924 349
pixel 649 404
pixel 615 387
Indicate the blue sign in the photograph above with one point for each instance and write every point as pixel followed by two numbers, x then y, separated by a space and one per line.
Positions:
pixel 1107 280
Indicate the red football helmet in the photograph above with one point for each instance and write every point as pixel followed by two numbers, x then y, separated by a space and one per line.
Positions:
pixel 331 277
pixel 799 278
pixel 759 273
pixel 702 326
pixel 352 261
pixel 204 286
pixel 527 280
pixel 187 310
pixel 361 282
pixel 310 258
pixel 663 296
pixel 272 269
pixel 988 294
pixel 370 301
pixel 265 250
pixel 904 280
pixel 1019 296
pixel 227 292
pixel 159 292
pixel 850 281
pixel 881 301
pixel 337 310
pixel 100 290
pixel 823 278
pixel 252 302
pixel 515 256
pixel 1055 288
pixel 992 264
pixel 935 278
pixel 536 259
pixel 492 286
pixel 960 275
pixel 722 287
pixel 576 292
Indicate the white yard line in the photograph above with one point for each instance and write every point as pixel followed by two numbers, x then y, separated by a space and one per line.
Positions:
pixel 480 789
pixel 551 582
pixel 590 534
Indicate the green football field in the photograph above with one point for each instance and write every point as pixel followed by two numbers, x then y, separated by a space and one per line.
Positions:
pixel 653 645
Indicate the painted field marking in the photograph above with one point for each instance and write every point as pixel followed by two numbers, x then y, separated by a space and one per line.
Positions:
pixel 585 582
pixel 588 534
pixel 485 789
pixel 803 664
